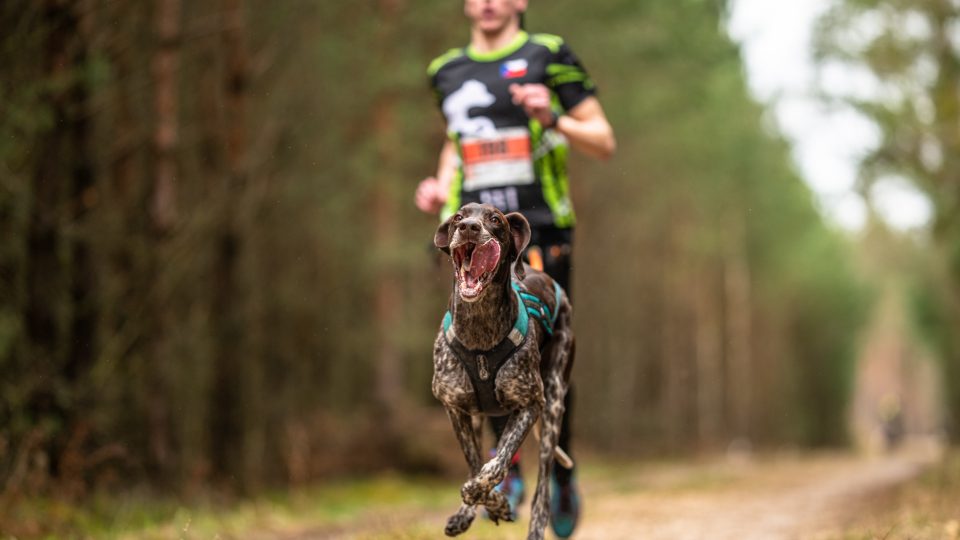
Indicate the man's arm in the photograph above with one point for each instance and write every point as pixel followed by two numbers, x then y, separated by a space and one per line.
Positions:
pixel 585 125
pixel 432 192
pixel 587 129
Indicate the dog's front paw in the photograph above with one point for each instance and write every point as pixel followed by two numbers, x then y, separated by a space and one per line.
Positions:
pixel 474 491
pixel 460 522
pixel 498 507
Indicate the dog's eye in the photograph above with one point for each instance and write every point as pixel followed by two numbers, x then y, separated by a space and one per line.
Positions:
pixel 495 220
pixel 457 218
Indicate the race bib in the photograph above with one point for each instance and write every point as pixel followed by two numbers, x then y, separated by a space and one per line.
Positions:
pixel 500 159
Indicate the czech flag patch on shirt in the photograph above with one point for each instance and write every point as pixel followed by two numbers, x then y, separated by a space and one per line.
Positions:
pixel 513 69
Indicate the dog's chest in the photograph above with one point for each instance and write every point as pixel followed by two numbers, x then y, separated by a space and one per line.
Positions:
pixel 515 385
pixel 451 383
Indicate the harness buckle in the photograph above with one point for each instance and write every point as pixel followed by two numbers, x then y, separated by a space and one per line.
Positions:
pixel 515 337
pixel 482 367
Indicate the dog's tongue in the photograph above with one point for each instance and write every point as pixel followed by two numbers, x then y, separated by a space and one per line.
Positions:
pixel 484 259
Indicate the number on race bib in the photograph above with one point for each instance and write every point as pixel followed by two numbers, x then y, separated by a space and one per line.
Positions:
pixel 502 159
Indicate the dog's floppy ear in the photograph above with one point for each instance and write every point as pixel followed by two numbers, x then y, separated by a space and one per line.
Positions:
pixel 442 238
pixel 519 238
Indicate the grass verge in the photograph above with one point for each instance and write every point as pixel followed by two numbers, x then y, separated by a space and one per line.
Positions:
pixel 926 509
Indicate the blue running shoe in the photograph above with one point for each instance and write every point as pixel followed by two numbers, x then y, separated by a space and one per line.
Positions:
pixel 564 507
pixel 512 488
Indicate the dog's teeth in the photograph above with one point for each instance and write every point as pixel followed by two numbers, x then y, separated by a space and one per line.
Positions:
pixel 466 264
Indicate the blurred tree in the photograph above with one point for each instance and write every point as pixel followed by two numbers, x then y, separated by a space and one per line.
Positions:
pixel 165 73
pixel 909 49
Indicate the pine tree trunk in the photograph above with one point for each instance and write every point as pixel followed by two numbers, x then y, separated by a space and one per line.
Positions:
pixel 239 436
pixel 163 212
pixel 388 368
pixel 166 78
pixel 674 334
pixel 709 348
pixel 389 377
pixel 59 316
pixel 738 330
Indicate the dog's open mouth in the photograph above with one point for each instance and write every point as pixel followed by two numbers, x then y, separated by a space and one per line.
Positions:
pixel 475 265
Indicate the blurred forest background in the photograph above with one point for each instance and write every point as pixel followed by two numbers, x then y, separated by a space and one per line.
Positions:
pixel 212 272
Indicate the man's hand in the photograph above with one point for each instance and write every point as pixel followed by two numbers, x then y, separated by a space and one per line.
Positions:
pixel 535 100
pixel 432 192
pixel 430 196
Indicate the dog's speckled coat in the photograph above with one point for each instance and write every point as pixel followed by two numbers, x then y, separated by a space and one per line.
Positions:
pixel 529 385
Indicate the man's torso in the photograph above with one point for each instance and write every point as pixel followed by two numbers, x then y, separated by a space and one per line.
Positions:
pixel 507 159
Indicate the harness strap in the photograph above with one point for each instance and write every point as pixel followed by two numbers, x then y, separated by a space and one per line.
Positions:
pixel 539 309
pixel 558 292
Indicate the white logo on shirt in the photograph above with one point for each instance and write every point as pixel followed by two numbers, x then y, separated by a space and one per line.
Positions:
pixel 456 107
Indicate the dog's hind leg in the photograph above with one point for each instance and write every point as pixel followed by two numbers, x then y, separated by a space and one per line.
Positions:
pixel 540 511
pixel 555 387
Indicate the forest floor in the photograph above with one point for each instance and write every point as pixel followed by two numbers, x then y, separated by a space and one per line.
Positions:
pixel 914 493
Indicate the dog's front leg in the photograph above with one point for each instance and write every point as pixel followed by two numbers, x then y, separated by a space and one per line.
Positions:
pixel 498 508
pixel 476 489
pixel 468 438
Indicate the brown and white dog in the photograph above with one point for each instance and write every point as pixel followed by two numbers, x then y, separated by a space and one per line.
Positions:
pixel 482 366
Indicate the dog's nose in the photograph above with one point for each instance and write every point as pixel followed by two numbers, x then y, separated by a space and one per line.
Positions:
pixel 471 225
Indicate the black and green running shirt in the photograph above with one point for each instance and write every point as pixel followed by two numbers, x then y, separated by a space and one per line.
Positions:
pixel 506 158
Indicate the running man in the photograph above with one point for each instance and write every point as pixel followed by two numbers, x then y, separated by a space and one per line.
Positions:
pixel 512 102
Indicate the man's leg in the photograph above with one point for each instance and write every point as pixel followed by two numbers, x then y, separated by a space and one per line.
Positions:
pixel 557 247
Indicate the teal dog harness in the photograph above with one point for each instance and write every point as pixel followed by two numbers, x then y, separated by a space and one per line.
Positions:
pixel 483 366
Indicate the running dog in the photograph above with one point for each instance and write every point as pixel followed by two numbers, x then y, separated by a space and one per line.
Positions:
pixel 505 347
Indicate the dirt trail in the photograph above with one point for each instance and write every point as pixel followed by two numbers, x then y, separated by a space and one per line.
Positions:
pixel 788 497
pixel 776 500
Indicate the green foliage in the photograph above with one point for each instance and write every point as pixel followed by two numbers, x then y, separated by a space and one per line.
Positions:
pixel 909 48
